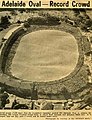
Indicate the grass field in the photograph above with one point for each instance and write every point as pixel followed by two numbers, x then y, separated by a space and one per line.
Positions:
pixel 45 55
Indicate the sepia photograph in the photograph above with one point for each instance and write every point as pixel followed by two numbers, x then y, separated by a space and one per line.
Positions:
pixel 46 59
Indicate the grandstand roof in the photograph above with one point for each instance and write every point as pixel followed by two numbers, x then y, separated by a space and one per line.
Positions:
pixel 8 34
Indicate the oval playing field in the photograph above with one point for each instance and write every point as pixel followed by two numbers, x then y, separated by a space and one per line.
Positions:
pixel 45 55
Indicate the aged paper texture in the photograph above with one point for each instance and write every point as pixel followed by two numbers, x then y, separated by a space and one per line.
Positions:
pixel 46 60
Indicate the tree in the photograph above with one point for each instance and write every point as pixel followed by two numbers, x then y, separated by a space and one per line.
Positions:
pixel 4 21
pixel 26 25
